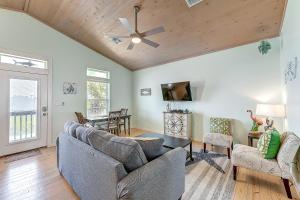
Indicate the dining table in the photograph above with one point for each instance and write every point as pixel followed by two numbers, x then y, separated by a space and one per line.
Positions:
pixel 94 120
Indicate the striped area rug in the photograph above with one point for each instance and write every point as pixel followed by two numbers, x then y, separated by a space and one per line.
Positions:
pixel 209 177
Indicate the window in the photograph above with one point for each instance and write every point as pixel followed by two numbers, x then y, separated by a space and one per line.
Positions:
pixel 98 97
pixel 22 61
pixel 97 73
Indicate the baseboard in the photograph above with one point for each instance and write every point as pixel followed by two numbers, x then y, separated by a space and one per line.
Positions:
pixel 197 141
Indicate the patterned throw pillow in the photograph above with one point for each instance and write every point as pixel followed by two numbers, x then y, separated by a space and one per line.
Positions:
pixel 220 125
pixel 269 144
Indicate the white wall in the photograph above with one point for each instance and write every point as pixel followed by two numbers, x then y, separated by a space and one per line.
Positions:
pixel 290 48
pixel 225 84
pixel 20 32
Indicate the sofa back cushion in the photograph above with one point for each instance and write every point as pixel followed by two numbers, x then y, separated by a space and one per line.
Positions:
pixel 125 150
pixel 70 128
pixel 83 132
pixel 287 153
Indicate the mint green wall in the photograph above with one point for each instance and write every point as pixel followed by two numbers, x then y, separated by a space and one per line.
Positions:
pixel 20 32
pixel 290 48
pixel 224 84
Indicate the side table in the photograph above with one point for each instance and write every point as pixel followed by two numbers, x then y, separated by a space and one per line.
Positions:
pixel 253 135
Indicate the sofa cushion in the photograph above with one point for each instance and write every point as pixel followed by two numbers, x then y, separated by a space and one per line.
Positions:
pixel 152 147
pixel 269 144
pixel 70 127
pixel 218 139
pixel 83 132
pixel 125 150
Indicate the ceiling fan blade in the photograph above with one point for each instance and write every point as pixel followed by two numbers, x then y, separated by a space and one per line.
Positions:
pixel 130 46
pixel 126 24
pixel 149 42
pixel 153 31
pixel 117 36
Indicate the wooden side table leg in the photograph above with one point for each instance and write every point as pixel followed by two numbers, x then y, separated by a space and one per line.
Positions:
pixel 191 152
pixel 129 126
pixel 234 172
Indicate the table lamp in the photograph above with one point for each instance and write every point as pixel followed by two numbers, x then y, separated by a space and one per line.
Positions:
pixel 270 110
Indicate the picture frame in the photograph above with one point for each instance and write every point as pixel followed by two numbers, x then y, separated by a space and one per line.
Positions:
pixel 146 92
pixel 291 71
pixel 70 88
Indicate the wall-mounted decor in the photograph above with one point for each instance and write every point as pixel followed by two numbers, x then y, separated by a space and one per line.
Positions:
pixel 146 92
pixel 264 47
pixel 70 88
pixel 290 73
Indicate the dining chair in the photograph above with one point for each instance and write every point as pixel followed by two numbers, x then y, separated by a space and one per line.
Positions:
pixel 82 120
pixel 123 120
pixel 112 124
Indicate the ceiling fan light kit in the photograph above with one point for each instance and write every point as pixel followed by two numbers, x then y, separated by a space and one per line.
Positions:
pixel 135 36
pixel 136 40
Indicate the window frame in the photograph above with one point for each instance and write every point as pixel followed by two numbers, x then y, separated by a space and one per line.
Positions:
pixel 29 58
pixel 100 80
pixel 21 68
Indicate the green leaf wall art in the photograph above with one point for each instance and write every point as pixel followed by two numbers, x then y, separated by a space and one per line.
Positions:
pixel 264 47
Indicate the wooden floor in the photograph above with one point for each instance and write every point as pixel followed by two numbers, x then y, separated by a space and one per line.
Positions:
pixel 38 178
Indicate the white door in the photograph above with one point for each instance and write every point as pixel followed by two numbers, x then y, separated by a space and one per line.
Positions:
pixel 23 111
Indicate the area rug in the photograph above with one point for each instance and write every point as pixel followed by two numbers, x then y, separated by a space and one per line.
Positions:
pixel 209 177
pixel 20 156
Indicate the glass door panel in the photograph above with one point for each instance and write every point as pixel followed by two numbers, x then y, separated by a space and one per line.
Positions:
pixel 23 110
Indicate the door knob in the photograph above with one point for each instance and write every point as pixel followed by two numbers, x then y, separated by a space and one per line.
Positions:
pixel 44 110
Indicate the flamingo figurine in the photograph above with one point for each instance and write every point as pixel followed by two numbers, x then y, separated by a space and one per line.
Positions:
pixel 256 121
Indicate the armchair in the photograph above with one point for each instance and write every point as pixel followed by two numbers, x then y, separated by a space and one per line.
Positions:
pixel 250 158
pixel 220 134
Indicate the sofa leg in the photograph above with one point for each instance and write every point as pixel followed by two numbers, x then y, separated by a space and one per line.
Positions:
pixel 287 187
pixel 204 147
pixel 228 152
pixel 180 198
pixel 234 168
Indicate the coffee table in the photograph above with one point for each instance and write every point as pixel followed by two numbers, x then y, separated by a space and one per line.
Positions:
pixel 172 142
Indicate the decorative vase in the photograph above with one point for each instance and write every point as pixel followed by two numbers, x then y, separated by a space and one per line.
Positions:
pixel 255 126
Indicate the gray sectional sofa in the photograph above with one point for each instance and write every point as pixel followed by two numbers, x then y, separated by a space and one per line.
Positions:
pixel 101 166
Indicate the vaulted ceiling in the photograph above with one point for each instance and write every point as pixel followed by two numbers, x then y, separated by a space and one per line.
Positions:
pixel 209 26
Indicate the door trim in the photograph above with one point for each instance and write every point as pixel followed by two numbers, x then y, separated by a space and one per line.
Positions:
pixel 50 140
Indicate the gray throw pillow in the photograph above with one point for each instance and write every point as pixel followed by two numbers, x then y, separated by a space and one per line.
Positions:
pixel 70 128
pixel 152 147
pixel 125 150
pixel 83 132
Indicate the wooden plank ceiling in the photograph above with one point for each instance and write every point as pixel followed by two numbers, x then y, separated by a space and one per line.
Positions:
pixel 209 26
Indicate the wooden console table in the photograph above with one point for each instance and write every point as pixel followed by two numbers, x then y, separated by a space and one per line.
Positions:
pixel 178 124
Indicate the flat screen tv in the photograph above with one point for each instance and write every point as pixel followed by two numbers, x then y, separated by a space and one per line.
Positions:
pixel 180 91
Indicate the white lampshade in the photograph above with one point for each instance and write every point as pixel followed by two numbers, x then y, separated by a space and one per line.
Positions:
pixel 269 110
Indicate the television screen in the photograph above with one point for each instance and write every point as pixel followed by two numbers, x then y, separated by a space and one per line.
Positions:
pixel 176 91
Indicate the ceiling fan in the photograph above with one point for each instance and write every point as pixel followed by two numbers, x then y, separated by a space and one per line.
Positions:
pixel 135 36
